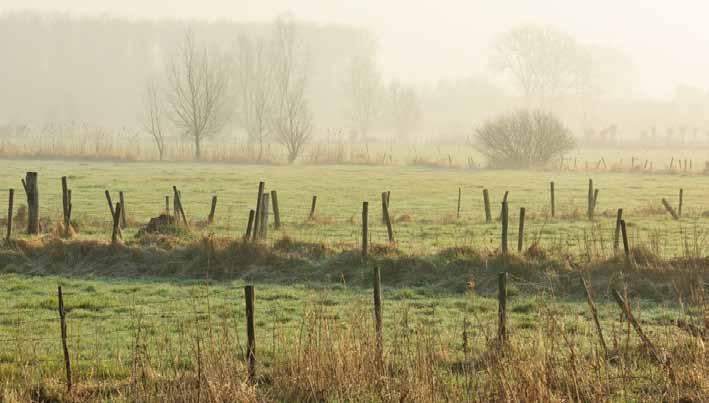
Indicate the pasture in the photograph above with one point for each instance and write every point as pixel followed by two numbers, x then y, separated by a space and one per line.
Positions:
pixel 162 318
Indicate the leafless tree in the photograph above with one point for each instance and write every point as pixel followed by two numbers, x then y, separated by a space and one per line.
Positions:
pixel 255 86
pixel 198 81
pixel 292 123
pixel 544 62
pixel 405 109
pixel 152 118
pixel 363 89
pixel 523 139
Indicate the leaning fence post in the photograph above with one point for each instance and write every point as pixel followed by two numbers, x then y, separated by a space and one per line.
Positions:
pixel 387 218
pixel 505 222
pixel 250 332
pixel 258 210
pixel 62 321
pixel 486 201
pixel 212 210
pixel 520 234
pixel 616 237
pixel 679 208
pixel 116 234
pixel 594 314
pixel 629 315
pixel 365 230
pixel 312 208
pixel 276 210
pixel 502 308
pixel 553 201
pixel 10 202
pixel 249 226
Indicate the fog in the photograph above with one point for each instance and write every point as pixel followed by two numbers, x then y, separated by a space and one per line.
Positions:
pixel 88 61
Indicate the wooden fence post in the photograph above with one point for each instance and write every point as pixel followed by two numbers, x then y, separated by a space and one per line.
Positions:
pixel 624 232
pixel 116 233
pixel 264 216
pixel 276 210
pixel 66 207
pixel 110 204
pixel 520 235
pixel 10 203
pixel 589 203
pixel 378 305
pixel 594 314
pixel 65 348
pixel 502 308
pixel 365 230
pixel 250 332
pixel 505 221
pixel 458 211
pixel 212 210
pixel 669 209
pixel 486 201
pixel 257 216
pixel 629 316
pixel 179 209
pixel 616 237
pixel 32 191
pixel 124 212
pixel 679 208
pixel 387 218
pixel 312 208
pixel 553 200
pixel 250 225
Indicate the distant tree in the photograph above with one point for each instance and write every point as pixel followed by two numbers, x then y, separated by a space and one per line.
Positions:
pixel 256 92
pixel 544 62
pixel 405 109
pixel 363 88
pixel 197 91
pixel 152 118
pixel 523 139
pixel 292 123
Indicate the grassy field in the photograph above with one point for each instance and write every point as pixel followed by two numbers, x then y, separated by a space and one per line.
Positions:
pixel 162 319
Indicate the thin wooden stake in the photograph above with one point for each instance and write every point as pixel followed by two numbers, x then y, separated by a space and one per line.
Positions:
pixel 124 212
pixel 66 209
pixel 276 210
pixel 212 210
pixel 681 199
pixel 624 232
pixel 505 222
pixel 312 208
pixel 250 332
pixel 553 200
pixel 257 217
pixel 520 234
pixel 502 308
pixel 594 314
pixel 458 211
pixel 486 201
pixel 639 330
pixel 249 226
pixel 669 209
pixel 616 237
pixel 10 203
pixel 378 305
pixel 264 216
pixel 387 218
pixel 116 233
pixel 365 230
pixel 65 348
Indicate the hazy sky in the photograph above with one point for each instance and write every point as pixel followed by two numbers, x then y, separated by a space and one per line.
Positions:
pixel 427 40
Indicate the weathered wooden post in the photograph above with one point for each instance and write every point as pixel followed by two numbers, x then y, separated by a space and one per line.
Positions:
pixel 10 203
pixel 312 208
pixel 679 207
pixel 594 314
pixel 589 205
pixel 257 217
pixel 32 191
pixel 179 209
pixel 66 207
pixel 624 232
pixel 669 209
pixel 387 218
pixel 212 210
pixel 520 235
pixel 378 305
pixel 502 308
pixel 505 221
pixel 616 237
pixel 365 230
pixel 116 233
pixel 553 200
pixel 264 216
pixel 65 348
pixel 486 201
pixel 124 212
pixel 250 333
pixel 276 210
pixel 625 308
pixel 249 226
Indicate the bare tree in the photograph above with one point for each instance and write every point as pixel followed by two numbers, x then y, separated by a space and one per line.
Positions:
pixel 292 123
pixel 256 90
pixel 152 118
pixel 543 62
pixel 197 91
pixel 405 109
pixel 363 90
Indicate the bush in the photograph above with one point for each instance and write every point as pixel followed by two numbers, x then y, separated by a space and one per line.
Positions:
pixel 523 139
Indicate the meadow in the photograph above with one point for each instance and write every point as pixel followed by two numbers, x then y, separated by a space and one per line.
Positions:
pixel 161 318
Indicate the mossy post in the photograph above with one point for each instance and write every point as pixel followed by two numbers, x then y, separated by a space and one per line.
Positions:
pixel 32 191
pixel 10 205
pixel 486 202
pixel 250 332
pixel 276 210
pixel 520 234
pixel 365 231
pixel 212 210
pixel 257 216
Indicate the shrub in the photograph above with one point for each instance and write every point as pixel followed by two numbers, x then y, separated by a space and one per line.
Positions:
pixel 523 139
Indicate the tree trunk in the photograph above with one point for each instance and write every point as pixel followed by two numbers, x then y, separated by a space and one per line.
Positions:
pixel 197 148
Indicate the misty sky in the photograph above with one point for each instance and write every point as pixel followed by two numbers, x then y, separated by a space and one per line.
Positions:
pixel 425 40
